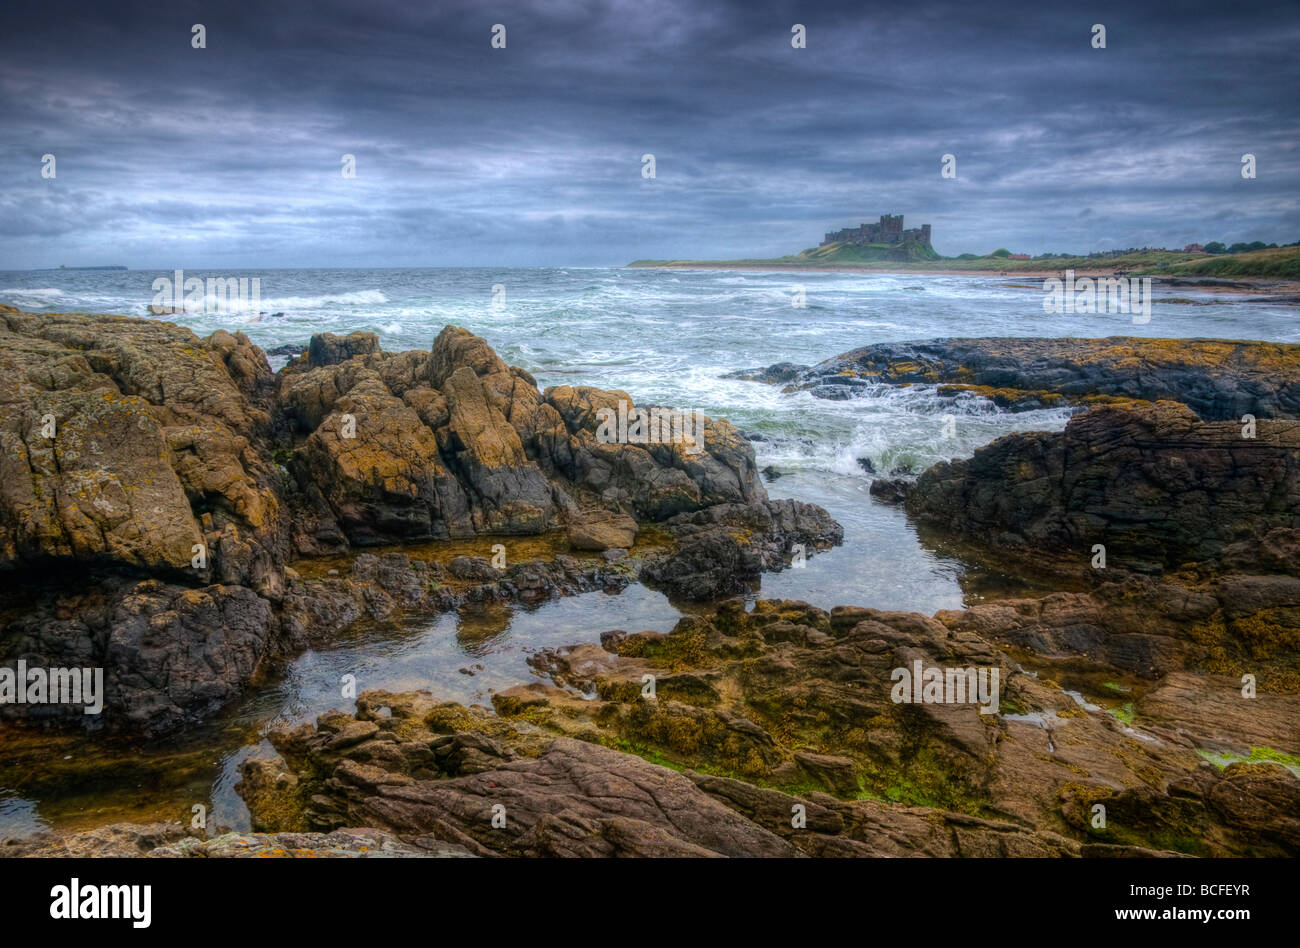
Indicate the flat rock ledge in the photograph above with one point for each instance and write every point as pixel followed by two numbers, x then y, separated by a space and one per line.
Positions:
pixel 1218 379
pixel 775 732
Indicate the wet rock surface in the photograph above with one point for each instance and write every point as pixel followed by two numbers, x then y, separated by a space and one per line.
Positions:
pixel 155 488
pixel 1154 484
pixel 173 841
pixel 771 731
pixel 776 732
pixel 1217 379
pixel 723 549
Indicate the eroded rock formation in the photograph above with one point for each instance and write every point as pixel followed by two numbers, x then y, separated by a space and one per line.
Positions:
pixel 155 488
pixel 763 712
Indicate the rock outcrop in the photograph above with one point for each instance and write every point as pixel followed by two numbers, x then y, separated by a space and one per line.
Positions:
pixel 173 841
pixel 1153 484
pixel 155 488
pixel 1173 540
pixel 1218 379
pixel 1232 625
pixel 723 549
pixel 128 443
pixel 754 717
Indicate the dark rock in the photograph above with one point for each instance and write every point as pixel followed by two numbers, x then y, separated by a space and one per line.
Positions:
pixel 773 374
pixel 475 568
pixel 889 490
pixel 1218 379
pixel 329 349
pixel 1153 484
pixel 723 549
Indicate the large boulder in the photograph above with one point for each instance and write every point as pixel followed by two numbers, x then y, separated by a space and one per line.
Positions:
pixel 1154 484
pixel 456 443
pixel 170 655
pixel 133 442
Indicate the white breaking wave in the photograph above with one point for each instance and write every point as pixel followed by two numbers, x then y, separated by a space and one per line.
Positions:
pixel 357 298
pixel 22 291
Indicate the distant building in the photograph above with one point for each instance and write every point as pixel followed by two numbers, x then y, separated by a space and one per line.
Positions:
pixel 1020 256
pixel 888 231
pixel 1193 248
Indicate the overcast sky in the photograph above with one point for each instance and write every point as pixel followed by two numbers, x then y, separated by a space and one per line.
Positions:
pixel 230 156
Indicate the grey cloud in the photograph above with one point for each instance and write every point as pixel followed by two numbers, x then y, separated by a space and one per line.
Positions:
pixel 531 155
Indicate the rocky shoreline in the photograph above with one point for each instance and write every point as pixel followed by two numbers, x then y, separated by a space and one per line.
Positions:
pixel 157 491
pixel 1218 379
pixel 770 732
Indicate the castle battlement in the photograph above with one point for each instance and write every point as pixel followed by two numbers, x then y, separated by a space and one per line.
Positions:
pixel 888 231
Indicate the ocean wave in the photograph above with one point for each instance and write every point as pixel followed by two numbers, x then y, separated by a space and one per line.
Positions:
pixel 23 291
pixel 356 298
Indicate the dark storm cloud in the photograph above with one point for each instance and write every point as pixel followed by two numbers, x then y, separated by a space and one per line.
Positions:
pixel 230 156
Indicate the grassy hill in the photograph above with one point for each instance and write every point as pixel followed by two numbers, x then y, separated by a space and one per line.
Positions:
pixel 839 253
pixel 1278 263
pixel 1282 263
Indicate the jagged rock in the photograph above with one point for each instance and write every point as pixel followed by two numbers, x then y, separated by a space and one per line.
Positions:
pixel 1218 379
pixel 762 704
pixel 562 798
pixel 793 693
pixel 159 444
pixel 176 476
pixel 1153 484
pixel 172 655
pixel 724 548
pixel 329 349
pixel 1149 628
pixel 381 471
pixel 889 490
pixel 457 443
pixel 773 374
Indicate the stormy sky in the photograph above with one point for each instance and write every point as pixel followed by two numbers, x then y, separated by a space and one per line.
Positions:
pixel 230 156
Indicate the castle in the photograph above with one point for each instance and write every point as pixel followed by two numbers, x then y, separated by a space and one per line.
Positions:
pixel 888 231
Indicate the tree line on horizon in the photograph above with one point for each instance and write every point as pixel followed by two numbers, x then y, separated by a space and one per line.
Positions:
pixel 1215 247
